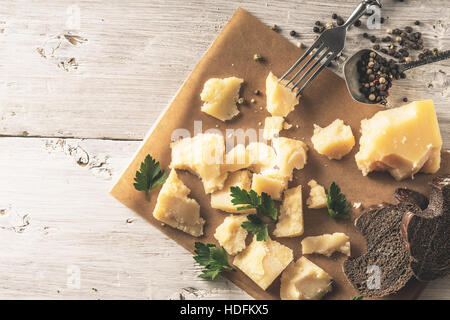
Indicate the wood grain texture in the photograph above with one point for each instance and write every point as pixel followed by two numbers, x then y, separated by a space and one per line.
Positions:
pixel 56 217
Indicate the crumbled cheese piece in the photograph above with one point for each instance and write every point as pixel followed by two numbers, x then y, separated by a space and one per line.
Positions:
pixel 326 244
pixel 221 199
pixel 290 221
pixel 272 127
pixel 303 280
pixel 220 97
pixel 317 197
pixel 286 126
pixel 261 156
pixel 231 235
pixel 291 154
pixel 202 155
pixel 334 141
pixel 270 183
pixel 357 205
pixel 236 159
pixel 173 207
pixel 416 125
pixel 263 261
pixel 280 99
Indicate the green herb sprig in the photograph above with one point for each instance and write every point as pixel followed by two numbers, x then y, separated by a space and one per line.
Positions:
pixel 264 206
pixel 337 204
pixel 149 176
pixel 214 260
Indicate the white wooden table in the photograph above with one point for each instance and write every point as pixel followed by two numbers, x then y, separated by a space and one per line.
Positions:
pixel 72 115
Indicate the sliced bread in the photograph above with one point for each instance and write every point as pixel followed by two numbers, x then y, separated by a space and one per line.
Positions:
pixel 384 268
pixel 427 233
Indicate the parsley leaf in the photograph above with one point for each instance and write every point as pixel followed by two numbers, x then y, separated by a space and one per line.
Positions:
pixel 214 260
pixel 257 226
pixel 358 298
pixel 263 204
pixel 149 176
pixel 338 206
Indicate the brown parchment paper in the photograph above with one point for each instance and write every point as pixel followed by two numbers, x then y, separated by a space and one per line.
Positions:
pixel 325 100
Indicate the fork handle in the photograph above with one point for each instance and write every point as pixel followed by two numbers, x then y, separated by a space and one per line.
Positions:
pixel 359 11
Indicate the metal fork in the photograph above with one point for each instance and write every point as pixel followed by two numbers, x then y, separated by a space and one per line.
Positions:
pixel 329 45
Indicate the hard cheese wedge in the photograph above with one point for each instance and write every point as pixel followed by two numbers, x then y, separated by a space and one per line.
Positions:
pixel 290 221
pixel 220 97
pixel 263 261
pixel 174 208
pixel 317 197
pixel 303 280
pixel 291 154
pixel 403 141
pixel 280 99
pixel 272 127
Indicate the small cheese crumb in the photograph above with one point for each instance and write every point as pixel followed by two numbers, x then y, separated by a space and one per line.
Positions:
pixel 317 196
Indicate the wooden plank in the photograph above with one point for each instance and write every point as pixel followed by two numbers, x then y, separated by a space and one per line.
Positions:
pixel 138 53
pixel 54 227
pixel 57 220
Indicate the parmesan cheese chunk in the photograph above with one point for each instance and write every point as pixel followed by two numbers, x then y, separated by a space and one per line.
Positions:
pixel 236 159
pixel 303 280
pixel 326 244
pixel 231 235
pixel 402 140
pixel 261 156
pixel 222 199
pixel 280 99
pixel 272 127
pixel 173 207
pixel 290 221
pixel 333 141
pixel 263 261
pixel 202 155
pixel 220 97
pixel 290 154
pixel 270 183
pixel 317 197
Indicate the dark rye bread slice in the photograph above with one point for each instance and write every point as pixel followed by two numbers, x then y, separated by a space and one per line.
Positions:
pixel 411 196
pixel 427 233
pixel 386 257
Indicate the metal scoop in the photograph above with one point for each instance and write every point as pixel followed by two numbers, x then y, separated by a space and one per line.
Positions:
pixel 352 77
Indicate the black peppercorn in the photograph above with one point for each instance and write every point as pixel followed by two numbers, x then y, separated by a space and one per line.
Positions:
pixel 376 47
pixel 334 16
pixel 340 21
pixel 365 35
pixel 417 22
pixel 357 23
pixel 408 29
pixel 293 33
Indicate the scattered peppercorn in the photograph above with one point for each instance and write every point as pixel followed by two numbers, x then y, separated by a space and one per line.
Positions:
pixel 417 22
pixel 293 33
pixel 340 21
pixel 257 92
pixel 334 16
pixel 382 20
pixel 376 47
pixel 318 23
pixel 357 23
pixel 365 35
pixel 408 29
pixel 316 29
pixel 275 28
pixel 257 57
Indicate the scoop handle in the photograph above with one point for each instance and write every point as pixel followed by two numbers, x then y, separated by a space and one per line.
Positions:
pixel 430 59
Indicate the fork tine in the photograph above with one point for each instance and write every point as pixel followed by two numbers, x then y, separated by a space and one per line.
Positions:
pixel 311 68
pixel 315 74
pixel 313 46
pixel 319 50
